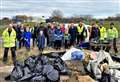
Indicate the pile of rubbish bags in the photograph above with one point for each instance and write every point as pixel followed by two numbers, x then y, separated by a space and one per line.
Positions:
pixel 39 69
pixel 99 65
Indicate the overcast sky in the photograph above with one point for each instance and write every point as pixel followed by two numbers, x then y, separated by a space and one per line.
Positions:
pixel 97 8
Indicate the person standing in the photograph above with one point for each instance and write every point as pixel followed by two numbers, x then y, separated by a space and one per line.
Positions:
pixel 19 35
pixel 41 41
pixel 27 37
pixel 81 33
pixel 9 42
pixel 94 32
pixel 103 33
pixel 73 34
pixel 112 35
pixel 58 36
pixel 66 39
pixel 34 34
pixel 21 41
pixel 51 30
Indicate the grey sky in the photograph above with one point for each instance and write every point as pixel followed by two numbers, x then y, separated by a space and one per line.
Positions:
pixel 97 8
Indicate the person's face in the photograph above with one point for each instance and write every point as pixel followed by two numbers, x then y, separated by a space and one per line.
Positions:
pixel 52 27
pixel 81 24
pixel 58 27
pixel 101 25
pixel 66 32
pixel 10 27
pixel 22 25
pixel 72 24
pixel 111 26
pixel 15 25
pixel 27 29
pixel 93 25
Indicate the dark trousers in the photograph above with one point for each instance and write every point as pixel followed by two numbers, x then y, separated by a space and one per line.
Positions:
pixel 34 41
pixel 79 39
pixel 114 46
pixel 72 42
pixel 51 44
pixel 58 44
pixel 13 52
pixel 21 43
pixel 67 45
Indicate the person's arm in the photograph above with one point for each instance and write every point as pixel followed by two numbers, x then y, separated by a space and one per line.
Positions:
pixel 105 33
pixel 116 33
pixel 98 33
pixel 3 35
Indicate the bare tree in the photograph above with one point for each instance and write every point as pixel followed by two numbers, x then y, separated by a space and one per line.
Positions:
pixel 57 13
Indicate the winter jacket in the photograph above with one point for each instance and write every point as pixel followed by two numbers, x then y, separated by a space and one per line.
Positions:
pixel 27 37
pixel 73 33
pixel 95 33
pixel 41 41
pixel 9 40
pixel 58 35
pixel 63 29
pixel 18 32
pixel 103 33
pixel 34 32
pixel 112 33
pixel 67 37
pixel 82 32
pixel 51 34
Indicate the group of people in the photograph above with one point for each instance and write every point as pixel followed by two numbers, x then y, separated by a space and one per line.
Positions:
pixel 54 35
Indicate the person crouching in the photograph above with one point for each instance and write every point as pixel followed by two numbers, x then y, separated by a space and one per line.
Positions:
pixel 41 41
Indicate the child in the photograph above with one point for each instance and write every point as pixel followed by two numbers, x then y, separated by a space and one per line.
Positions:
pixel 27 37
pixel 51 36
pixel 67 39
pixel 58 35
pixel 41 41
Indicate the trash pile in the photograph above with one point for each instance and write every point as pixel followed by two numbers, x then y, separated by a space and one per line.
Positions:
pixel 99 65
pixel 39 69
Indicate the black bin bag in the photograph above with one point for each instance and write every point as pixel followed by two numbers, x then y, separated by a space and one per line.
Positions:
pixel 61 66
pixel 16 74
pixel 51 73
pixel 38 79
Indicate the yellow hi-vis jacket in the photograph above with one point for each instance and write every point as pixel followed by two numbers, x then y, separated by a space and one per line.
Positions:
pixel 103 33
pixel 9 41
pixel 112 33
pixel 80 29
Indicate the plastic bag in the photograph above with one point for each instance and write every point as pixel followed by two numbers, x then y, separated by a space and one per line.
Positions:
pixel 31 62
pixel 61 66
pixel 67 55
pixel 77 55
pixel 17 73
pixel 51 73
pixel 38 79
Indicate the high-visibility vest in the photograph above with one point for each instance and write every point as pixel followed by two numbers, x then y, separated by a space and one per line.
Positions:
pixel 112 33
pixel 9 41
pixel 80 29
pixel 103 33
